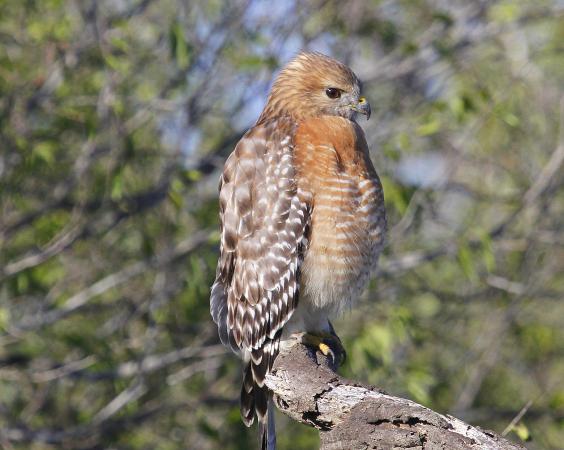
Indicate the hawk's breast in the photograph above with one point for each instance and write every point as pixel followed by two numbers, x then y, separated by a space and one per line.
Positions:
pixel 348 219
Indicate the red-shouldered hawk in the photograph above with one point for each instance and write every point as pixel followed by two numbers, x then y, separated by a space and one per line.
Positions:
pixel 302 221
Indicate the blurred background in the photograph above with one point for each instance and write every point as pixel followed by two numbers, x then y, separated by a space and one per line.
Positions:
pixel 115 120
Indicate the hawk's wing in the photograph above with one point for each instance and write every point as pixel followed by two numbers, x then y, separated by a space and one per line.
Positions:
pixel 263 225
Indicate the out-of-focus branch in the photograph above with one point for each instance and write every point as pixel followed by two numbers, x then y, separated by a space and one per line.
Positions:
pixel 552 166
pixel 83 297
pixel 63 241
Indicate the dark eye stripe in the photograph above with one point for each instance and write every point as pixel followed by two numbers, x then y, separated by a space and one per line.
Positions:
pixel 333 92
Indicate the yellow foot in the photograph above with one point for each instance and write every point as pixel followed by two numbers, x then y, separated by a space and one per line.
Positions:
pixel 328 344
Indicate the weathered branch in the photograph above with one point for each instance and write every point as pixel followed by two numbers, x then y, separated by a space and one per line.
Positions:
pixel 351 416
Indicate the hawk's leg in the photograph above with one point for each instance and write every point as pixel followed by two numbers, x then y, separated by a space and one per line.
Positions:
pixel 327 343
pixel 340 343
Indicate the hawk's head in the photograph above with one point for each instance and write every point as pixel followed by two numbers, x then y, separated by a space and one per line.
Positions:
pixel 313 85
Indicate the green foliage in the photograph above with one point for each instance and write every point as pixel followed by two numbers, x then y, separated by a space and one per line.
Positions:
pixel 115 118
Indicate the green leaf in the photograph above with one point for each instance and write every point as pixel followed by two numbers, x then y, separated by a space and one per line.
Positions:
pixel 465 259
pixel 48 273
pixel 179 47
pixel 403 141
pixel 22 282
pixel 117 187
pixel 117 63
pixel 394 194
pixel 193 175
pixel 522 431
pixel 377 341
pixel 38 30
pixel 488 255
pixel 250 62
pixel 426 305
pixel 176 199
pixel 429 128
pixel 505 12
pixel 419 384
pixel 45 151
pixel 4 318
pixel 511 119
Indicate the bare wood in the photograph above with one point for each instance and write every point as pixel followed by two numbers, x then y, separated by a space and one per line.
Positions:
pixel 350 415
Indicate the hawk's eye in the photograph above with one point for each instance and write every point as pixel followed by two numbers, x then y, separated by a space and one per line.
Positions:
pixel 333 92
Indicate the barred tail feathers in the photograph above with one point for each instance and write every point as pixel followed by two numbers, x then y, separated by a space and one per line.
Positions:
pixel 256 397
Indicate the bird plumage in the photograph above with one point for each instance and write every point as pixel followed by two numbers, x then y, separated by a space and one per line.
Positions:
pixel 302 221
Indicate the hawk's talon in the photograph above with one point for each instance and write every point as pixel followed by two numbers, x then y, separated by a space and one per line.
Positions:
pixel 326 350
pixel 328 344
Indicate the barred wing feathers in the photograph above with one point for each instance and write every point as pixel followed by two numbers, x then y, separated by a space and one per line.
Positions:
pixel 263 224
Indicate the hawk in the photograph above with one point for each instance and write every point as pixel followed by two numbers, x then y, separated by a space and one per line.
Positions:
pixel 302 223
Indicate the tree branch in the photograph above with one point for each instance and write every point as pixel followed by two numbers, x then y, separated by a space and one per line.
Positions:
pixel 354 416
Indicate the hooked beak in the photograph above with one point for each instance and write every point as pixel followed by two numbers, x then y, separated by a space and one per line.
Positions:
pixel 363 107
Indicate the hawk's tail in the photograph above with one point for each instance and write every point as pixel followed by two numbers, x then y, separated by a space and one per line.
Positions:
pixel 256 397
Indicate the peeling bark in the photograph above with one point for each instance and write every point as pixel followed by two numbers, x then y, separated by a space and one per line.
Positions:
pixel 350 415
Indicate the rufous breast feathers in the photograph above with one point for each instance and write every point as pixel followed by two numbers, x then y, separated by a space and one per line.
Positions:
pixel 335 174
